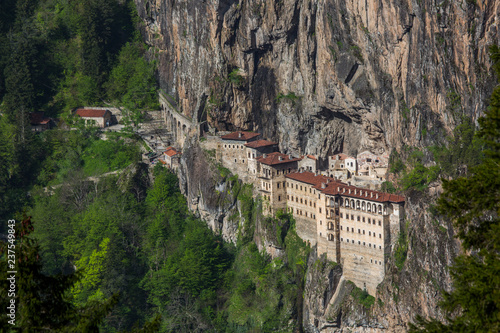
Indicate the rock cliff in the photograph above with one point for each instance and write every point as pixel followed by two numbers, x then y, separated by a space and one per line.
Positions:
pixel 322 77
pixel 328 75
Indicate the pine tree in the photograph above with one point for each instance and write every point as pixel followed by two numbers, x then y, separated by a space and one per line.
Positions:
pixel 473 203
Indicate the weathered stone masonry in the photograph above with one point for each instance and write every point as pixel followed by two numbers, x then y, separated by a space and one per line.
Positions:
pixel 353 226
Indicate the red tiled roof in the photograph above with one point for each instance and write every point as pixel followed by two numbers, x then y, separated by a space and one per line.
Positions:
pixel 171 151
pixel 93 113
pixel 240 136
pixel 274 158
pixel 36 117
pixel 260 143
pixel 309 178
pixel 359 193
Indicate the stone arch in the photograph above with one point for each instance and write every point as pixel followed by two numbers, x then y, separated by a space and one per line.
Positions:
pixel 357 204
pixel 352 204
pixel 380 209
pixel 363 206
pixel 184 129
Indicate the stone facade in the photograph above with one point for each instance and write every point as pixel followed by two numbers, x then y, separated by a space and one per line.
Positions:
pixel 234 152
pixel 308 163
pixel 272 169
pixel 342 166
pixel 353 226
pixel 171 158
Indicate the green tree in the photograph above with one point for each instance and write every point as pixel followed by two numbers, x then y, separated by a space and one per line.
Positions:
pixel 473 203
pixel 40 300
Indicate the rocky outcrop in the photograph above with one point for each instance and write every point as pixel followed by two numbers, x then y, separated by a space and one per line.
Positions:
pixel 208 191
pixel 329 75
pixel 322 77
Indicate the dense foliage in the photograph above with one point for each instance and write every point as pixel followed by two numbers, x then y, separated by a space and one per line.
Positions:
pixel 57 55
pixel 473 204
pixel 161 260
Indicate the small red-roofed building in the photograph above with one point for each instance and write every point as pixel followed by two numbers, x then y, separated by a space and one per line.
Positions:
pixel 39 122
pixel 234 152
pixel 342 166
pixel 272 169
pixel 256 149
pixel 95 116
pixel 172 158
pixel 308 163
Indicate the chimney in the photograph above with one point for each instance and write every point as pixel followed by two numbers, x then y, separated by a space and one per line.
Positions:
pixel 371 194
pixel 323 185
pixel 349 191
pixel 355 191
pixel 343 189
pixel 264 155
pixel 316 172
pixel 280 158
pixel 337 157
pixel 239 134
pixel 290 156
pixel 376 196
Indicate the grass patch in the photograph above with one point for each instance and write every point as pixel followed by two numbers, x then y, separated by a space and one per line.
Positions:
pixel 362 297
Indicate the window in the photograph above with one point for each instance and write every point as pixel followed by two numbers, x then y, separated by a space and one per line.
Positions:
pixel 380 247
pixel 370 244
pixel 279 197
pixel 352 217
pixel 371 260
pixel 278 185
pixel 379 235
pixel 341 215
pixel 296 186
pixel 292 197
pixel 369 221
pixel 347 240
pixel 315 206
pixel 320 233
pixel 300 200
pixel 364 243
pixel 375 262
pixel 301 188
pixel 380 263
pixel 359 243
pixel 363 232
pixel 359 231
pixel 225 146
pixel 320 223
pixel 347 228
pixel 305 201
pixel 243 161
pixel 320 210
pixel 353 241
pixel 358 218
pixel 340 227
pixel 234 160
pixel 306 214
pixel 287 197
pixel 369 233
pixel 379 223
pixel 341 239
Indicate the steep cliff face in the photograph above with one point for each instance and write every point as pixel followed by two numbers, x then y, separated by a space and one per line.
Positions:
pixel 326 76
pixel 329 75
